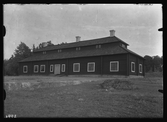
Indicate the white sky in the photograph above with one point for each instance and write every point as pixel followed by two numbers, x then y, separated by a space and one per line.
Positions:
pixel 135 24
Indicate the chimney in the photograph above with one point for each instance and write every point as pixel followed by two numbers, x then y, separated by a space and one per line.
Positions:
pixel 112 33
pixel 78 38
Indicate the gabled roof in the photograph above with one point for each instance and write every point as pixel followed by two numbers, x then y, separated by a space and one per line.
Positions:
pixel 75 54
pixel 131 52
pixel 83 43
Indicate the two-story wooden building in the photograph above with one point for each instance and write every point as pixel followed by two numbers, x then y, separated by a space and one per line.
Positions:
pixel 102 56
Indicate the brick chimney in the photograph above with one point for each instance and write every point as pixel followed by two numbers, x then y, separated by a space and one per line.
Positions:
pixel 78 38
pixel 112 33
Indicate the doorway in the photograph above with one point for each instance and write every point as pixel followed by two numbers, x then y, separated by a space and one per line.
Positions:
pixel 57 69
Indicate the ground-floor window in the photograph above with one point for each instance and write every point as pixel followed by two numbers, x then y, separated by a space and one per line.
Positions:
pixel 42 68
pixel 35 68
pixel 91 67
pixel 51 68
pixel 76 67
pixel 140 68
pixel 63 68
pixel 132 66
pixel 25 69
pixel 114 66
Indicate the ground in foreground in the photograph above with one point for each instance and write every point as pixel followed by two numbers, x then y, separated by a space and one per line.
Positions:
pixel 85 99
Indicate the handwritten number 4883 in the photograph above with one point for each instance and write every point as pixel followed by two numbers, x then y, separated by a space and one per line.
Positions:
pixel 10 116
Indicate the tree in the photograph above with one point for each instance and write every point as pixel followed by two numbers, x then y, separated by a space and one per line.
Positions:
pixel 156 63
pixel 148 63
pixel 41 45
pixel 33 48
pixel 11 66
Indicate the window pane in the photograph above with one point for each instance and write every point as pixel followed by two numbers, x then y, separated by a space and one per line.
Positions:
pixel 51 68
pixel 35 68
pixel 76 67
pixel 63 67
pixel 91 67
pixel 133 66
pixel 42 68
pixel 114 66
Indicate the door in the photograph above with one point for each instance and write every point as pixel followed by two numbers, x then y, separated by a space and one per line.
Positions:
pixel 57 69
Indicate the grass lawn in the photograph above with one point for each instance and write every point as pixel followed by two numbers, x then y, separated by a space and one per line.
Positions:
pixel 86 99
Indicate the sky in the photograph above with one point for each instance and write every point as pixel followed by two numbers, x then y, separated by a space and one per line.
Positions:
pixel 136 24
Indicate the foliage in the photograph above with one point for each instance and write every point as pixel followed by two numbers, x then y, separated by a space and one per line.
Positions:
pixel 153 63
pixel 42 45
pixel 11 66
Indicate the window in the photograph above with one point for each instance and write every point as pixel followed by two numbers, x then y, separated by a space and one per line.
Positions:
pixel 76 67
pixel 51 68
pixel 63 68
pixel 123 45
pixel 98 46
pixel 44 52
pixel 59 51
pixel 25 69
pixel 91 67
pixel 35 68
pixel 114 66
pixel 140 68
pixel 78 48
pixel 42 68
pixel 132 66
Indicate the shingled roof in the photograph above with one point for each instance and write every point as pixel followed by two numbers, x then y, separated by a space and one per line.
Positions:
pixel 81 53
pixel 75 54
pixel 83 43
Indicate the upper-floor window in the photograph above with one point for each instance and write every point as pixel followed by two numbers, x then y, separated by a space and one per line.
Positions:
pixel 91 67
pixel 78 48
pixel 132 66
pixel 98 46
pixel 59 50
pixel 35 68
pixel 114 66
pixel 123 45
pixel 42 68
pixel 76 67
pixel 140 68
pixel 25 69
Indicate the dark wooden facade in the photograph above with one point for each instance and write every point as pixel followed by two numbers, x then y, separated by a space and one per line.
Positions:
pixel 101 56
pixel 102 65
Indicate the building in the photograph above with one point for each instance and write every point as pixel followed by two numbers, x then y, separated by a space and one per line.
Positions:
pixel 103 56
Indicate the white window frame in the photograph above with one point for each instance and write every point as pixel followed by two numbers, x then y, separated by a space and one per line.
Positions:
pixel 78 67
pixel 117 66
pixel 41 68
pixel 63 65
pixel 26 69
pixel 93 67
pixel 51 68
pixel 37 68
pixel 131 66
pixel 140 68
